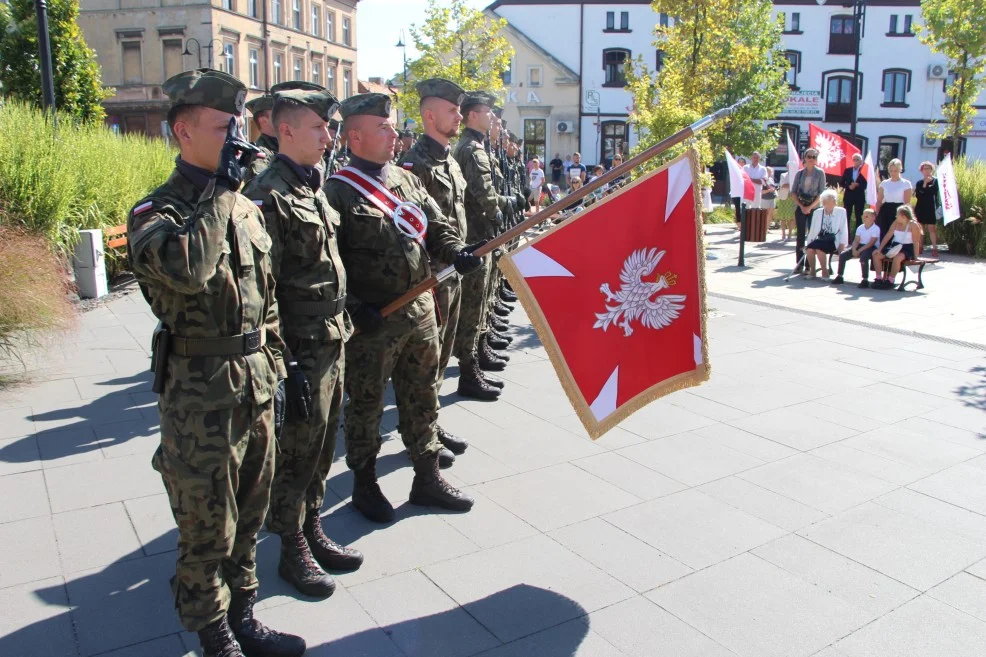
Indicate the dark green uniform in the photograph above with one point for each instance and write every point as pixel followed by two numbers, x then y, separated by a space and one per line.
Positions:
pixel 260 161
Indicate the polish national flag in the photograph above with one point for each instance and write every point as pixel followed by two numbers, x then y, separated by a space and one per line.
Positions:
pixel 793 159
pixel 740 185
pixel 872 180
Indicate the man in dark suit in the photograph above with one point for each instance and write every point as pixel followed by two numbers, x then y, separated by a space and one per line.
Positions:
pixel 854 199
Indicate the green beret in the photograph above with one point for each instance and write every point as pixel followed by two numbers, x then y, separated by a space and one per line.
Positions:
pixel 441 88
pixel 371 104
pixel 293 85
pixel 322 102
pixel 334 124
pixel 207 88
pixel 497 111
pixel 260 104
pixel 474 98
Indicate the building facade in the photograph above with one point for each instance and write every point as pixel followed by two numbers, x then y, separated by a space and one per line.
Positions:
pixel 900 86
pixel 592 42
pixel 141 43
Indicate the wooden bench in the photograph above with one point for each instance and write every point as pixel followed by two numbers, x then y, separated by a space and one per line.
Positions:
pixel 116 237
pixel 919 262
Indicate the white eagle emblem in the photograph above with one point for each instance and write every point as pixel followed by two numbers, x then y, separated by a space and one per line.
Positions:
pixel 829 151
pixel 635 299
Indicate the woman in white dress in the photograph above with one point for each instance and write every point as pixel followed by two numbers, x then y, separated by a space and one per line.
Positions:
pixel 892 193
pixel 828 234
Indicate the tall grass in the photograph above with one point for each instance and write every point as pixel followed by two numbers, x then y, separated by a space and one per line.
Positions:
pixel 967 235
pixel 55 182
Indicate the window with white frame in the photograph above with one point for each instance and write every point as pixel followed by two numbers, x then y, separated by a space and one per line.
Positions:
pixel 534 76
pixel 299 69
pixel 254 68
pixel 896 84
pixel 330 25
pixel 347 83
pixel 317 72
pixel 296 14
pixel 229 59
pixel 347 38
pixel 278 67
pixel 276 13
pixel 316 19
pixel 330 79
pixel 252 9
pixel 793 58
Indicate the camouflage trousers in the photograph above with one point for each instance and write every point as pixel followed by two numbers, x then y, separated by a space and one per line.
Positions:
pixel 449 298
pixel 307 447
pixel 406 350
pixel 217 468
pixel 493 281
pixel 473 313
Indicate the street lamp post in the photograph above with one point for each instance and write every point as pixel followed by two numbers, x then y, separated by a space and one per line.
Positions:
pixel 198 49
pixel 858 9
pixel 403 46
pixel 44 57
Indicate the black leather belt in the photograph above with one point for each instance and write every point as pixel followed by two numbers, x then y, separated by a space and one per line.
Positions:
pixel 233 345
pixel 329 308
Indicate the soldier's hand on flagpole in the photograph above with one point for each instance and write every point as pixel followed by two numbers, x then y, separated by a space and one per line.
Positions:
pixel 299 392
pixel 367 319
pixel 466 261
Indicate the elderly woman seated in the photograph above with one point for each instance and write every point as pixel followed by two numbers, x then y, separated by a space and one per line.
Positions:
pixel 828 234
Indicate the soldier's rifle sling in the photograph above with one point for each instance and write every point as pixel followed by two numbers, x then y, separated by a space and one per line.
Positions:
pixel 571 199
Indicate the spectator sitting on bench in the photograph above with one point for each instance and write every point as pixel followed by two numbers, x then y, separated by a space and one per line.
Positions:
pixel 828 234
pixel 906 232
pixel 863 244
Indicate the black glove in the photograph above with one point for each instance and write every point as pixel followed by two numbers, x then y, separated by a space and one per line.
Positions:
pixel 280 397
pixel 465 260
pixel 236 148
pixel 367 319
pixel 498 220
pixel 299 393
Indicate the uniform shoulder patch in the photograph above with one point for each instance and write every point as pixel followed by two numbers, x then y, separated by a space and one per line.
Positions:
pixel 408 165
pixel 258 203
pixel 143 207
pixel 261 155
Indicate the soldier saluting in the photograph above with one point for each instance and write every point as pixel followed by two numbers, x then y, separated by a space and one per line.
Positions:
pixel 390 227
pixel 200 253
pixel 311 292
pixel 260 111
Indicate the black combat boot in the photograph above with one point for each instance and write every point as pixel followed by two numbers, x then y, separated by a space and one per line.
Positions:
pixel 498 323
pixel 501 309
pixel 256 639
pixel 429 489
pixel 367 496
pixel 329 554
pixel 299 568
pixel 218 641
pixel 451 442
pixel 506 295
pixel 501 335
pixel 473 385
pixel 488 360
pixel 445 458
pixel 492 380
pixel 496 342
pixel 491 352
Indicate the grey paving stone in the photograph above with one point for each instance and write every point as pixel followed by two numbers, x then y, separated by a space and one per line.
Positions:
pixel 694 528
pixel 128 438
pixel 16 422
pixel 659 419
pixel 537 445
pixel 762 503
pixel 745 442
pixel 30 551
pixel 963 485
pixel 433 624
pixel 628 559
pixel 770 394
pixel 571 639
pixel 848 580
pixel 844 454
pixel 910 550
pixel 93 537
pixel 638 628
pixel 35 621
pixel 690 458
pixel 630 476
pixel 965 592
pixel 978 569
pixel 887 404
pixel 154 523
pixel 755 608
pixel 476 467
pixel 488 524
pixel 817 483
pixel 101 482
pixel 526 586
pixel 69 446
pixel 55 416
pixel 167 646
pixel 61 390
pixel 960 416
pixel 947 434
pixel 912 445
pixel 615 438
pixel 844 416
pixel 556 496
pixel 921 627
pixel 944 382
pixel 24 496
pixel 794 429
pixel 19 455
pixel 97 386
pixel 704 407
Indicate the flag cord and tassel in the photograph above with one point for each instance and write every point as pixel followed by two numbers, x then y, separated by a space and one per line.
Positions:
pixel 571 199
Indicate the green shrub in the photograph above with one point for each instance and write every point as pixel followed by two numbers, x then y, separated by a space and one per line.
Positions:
pixel 55 182
pixel 720 215
pixel 967 236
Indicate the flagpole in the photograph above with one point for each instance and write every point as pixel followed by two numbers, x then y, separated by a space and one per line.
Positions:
pixel 571 199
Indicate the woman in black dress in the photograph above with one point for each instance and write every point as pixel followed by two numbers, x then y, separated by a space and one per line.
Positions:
pixel 926 191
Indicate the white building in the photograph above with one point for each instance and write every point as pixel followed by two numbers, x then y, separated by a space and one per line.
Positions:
pixel 901 84
pixel 593 40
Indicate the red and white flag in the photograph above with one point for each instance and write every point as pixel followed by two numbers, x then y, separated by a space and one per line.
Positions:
pixel 948 191
pixel 793 160
pixel 740 184
pixel 834 152
pixel 872 180
pixel 617 296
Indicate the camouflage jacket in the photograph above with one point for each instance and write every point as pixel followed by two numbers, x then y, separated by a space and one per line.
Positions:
pixel 304 256
pixel 381 261
pixel 257 162
pixel 201 258
pixel 482 200
pixel 442 178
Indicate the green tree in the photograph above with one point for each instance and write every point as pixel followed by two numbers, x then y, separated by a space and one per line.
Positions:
pixel 954 28
pixel 458 43
pixel 78 88
pixel 715 53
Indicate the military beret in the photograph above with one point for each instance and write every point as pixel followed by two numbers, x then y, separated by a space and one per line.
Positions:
pixel 334 124
pixel 474 98
pixel 322 102
pixel 207 88
pixel 293 85
pixel 441 88
pixel 371 104
pixel 260 104
pixel 497 111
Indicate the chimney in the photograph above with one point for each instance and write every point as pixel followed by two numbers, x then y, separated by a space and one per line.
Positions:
pixel 376 80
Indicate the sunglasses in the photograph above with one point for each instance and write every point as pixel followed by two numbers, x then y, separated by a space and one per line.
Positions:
pixel 810 157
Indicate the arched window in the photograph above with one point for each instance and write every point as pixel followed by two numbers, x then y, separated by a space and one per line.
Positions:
pixel 842 35
pixel 614 140
pixel 896 84
pixel 838 99
pixel 614 64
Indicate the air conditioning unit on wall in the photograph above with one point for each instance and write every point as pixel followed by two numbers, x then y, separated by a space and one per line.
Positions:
pixel 927 141
pixel 565 127
pixel 938 70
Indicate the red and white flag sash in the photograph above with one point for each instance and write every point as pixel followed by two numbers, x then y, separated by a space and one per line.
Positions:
pixel 408 217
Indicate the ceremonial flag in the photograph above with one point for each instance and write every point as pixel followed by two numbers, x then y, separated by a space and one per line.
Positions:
pixel 740 185
pixel 793 159
pixel 872 180
pixel 617 295
pixel 834 152
pixel 948 191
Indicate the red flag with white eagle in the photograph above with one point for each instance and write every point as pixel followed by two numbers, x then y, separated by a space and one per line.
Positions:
pixel 617 295
pixel 740 184
pixel 834 152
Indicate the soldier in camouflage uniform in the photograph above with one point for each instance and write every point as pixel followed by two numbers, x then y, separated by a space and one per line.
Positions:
pixel 200 254
pixel 495 308
pixel 267 141
pixel 384 262
pixel 485 209
pixel 311 292
pixel 430 159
